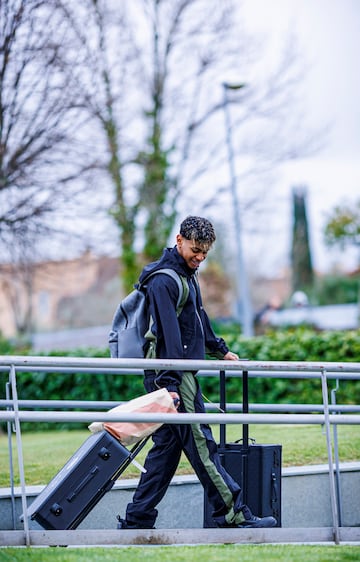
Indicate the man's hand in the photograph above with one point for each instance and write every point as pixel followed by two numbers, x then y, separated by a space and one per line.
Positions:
pixel 230 356
pixel 176 399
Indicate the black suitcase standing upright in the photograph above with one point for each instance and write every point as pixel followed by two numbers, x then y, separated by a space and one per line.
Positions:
pixel 257 468
pixel 82 482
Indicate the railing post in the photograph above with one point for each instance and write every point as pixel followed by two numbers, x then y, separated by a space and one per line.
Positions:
pixel 335 515
pixel 20 453
pixel 11 461
pixel 336 454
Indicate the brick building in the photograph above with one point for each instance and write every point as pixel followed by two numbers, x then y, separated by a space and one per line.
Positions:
pixel 84 292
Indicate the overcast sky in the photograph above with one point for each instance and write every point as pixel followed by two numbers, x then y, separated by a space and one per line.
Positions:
pixel 328 34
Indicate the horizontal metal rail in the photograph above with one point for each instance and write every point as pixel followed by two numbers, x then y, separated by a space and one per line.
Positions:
pixel 236 373
pixel 230 407
pixel 88 417
pixel 22 363
pixel 169 537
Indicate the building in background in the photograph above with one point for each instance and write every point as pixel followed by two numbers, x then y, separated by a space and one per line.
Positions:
pixel 83 294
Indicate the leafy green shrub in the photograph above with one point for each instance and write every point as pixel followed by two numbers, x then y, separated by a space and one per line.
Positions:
pixel 296 344
pixel 74 386
pixel 7 347
pixel 335 289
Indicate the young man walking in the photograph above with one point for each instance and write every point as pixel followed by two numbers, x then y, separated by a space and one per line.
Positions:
pixel 185 336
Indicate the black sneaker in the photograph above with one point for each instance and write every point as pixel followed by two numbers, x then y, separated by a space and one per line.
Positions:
pixel 254 522
pixel 123 524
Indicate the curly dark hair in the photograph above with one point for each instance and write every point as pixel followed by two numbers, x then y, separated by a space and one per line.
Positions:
pixel 198 229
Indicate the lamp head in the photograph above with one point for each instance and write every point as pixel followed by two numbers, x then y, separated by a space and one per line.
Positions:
pixel 229 86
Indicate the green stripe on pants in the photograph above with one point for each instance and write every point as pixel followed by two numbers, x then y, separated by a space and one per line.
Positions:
pixel 188 390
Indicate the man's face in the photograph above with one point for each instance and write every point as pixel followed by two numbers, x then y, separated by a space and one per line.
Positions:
pixel 191 251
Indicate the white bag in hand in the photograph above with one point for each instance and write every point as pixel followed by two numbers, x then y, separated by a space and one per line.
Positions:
pixel 159 401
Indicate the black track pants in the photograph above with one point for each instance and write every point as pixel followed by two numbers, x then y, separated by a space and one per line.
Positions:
pixel 198 444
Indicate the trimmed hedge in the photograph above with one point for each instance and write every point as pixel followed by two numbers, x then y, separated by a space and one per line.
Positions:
pixel 299 344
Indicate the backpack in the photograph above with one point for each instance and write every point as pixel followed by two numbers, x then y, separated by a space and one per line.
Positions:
pixel 131 319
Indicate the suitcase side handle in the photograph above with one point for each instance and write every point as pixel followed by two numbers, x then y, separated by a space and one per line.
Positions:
pixel 82 484
pixel 274 488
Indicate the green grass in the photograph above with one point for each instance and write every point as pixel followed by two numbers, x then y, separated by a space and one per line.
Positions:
pixel 212 553
pixel 46 452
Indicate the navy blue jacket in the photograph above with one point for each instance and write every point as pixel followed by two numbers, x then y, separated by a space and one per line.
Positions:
pixel 188 336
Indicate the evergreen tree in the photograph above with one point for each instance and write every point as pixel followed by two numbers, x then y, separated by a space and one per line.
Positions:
pixel 302 270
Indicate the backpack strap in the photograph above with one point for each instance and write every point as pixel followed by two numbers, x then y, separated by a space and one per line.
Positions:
pixel 182 284
pixel 184 291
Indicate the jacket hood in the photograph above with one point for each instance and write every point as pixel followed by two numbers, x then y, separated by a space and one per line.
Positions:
pixel 170 259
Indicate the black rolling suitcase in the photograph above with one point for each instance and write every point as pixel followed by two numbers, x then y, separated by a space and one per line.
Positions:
pixel 257 468
pixel 82 482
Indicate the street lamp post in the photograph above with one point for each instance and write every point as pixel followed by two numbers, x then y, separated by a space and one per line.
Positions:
pixel 243 302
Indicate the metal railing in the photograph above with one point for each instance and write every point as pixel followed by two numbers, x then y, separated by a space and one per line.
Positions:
pixel 328 415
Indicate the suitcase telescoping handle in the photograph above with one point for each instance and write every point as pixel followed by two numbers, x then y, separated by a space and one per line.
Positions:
pixel 222 408
pixel 245 407
pixel 245 427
